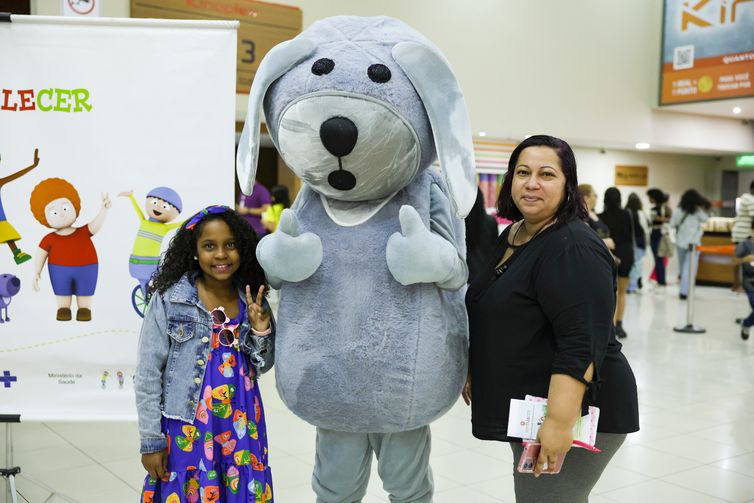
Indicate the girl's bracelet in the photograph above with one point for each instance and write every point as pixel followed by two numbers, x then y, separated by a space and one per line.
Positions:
pixel 265 332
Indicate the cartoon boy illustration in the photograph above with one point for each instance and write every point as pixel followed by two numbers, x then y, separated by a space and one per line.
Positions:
pixel 163 205
pixel 8 234
pixel 73 264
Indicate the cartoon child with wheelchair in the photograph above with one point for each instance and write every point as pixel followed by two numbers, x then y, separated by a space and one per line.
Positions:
pixel 163 205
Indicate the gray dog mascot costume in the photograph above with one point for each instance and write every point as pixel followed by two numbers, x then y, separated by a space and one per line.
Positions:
pixel 372 333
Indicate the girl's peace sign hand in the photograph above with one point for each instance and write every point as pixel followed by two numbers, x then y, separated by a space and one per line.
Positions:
pixel 259 317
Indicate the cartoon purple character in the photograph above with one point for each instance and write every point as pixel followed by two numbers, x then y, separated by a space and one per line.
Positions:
pixel 9 286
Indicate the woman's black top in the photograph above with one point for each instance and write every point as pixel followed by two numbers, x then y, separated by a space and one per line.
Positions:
pixel 549 311
pixel 622 232
pixel 658 212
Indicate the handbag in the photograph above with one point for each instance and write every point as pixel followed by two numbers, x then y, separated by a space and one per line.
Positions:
pixel 666 247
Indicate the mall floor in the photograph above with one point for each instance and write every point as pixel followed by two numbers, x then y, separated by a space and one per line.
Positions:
pixel 696 442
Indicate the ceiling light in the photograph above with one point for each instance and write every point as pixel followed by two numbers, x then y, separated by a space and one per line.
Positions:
pixel 736 110
pixel 642 146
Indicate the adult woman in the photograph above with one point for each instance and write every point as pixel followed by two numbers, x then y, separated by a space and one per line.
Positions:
pixel 687 222
pixel 593 220
pixel 541 323
pixel 659 216
pixel 641 227
pixel 624 234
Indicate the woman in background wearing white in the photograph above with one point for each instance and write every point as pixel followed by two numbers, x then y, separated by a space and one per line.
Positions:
pixel 687 221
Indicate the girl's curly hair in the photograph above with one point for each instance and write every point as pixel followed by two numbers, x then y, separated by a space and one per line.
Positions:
pixel 179 258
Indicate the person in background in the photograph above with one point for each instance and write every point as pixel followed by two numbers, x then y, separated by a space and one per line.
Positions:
pixel 659 217
pixel 745 258
pixel 589 195
pixel 280 201
pixel 481 234
pixel 541 324
pixel 742 227
pixel 641 221
pixel 687 221
pixel 623 232
pixel 251 207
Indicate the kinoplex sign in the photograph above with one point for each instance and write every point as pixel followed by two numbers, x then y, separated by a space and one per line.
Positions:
pixel 50 99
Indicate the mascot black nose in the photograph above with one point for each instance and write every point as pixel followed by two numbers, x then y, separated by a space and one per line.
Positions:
pixel 338 135
pixel 15 282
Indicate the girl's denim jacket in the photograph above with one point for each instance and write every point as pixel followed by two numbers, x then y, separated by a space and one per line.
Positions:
pixel 174 346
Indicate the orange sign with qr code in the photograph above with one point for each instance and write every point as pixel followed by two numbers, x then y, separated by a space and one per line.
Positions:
pixel 707 50
pixel 631 175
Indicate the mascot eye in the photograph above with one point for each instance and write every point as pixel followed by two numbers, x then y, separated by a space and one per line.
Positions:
pixel 379 73
pixel 323 66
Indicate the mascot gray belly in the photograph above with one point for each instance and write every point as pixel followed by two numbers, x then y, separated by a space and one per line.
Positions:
pixel 355 350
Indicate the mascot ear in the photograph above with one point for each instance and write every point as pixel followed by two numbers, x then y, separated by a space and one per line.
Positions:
pixel 277 62
pixel 433 79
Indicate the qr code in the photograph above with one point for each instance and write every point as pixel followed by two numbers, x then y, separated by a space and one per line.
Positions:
pixel 683 57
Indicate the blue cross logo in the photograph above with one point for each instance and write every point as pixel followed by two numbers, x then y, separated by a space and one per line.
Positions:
pixel 6 378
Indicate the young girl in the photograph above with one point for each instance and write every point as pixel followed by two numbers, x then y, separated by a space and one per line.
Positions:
pixel 203 343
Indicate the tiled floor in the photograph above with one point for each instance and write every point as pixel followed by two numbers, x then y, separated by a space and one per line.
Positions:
pixel 696 442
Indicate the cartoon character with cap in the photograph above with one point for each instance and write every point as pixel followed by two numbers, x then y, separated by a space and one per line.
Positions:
pixel 163 205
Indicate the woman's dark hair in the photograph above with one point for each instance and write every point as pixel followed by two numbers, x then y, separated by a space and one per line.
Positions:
pixel 573 204
pixel 179 259
pixel 612 200
pixel 691 200
pixel 634 202
pixel 657 195
pixel 280 195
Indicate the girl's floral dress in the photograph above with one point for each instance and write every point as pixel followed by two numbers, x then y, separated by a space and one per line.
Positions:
pixel 222 455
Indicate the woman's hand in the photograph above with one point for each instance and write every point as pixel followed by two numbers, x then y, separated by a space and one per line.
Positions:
pixel 155 463
pixel 466 391
pixel 556 438
pixel 259 317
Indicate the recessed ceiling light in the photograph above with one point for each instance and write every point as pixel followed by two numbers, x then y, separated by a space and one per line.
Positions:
pixel 736 110
pixel 642 146
pixel 482 133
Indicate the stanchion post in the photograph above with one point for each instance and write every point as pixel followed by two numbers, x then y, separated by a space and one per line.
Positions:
pixel 689 328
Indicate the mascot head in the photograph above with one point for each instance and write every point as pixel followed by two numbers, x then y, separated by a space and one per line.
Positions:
pixel 357 107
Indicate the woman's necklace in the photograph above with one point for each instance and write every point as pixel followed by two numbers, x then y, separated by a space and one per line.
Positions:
pixel 499 270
